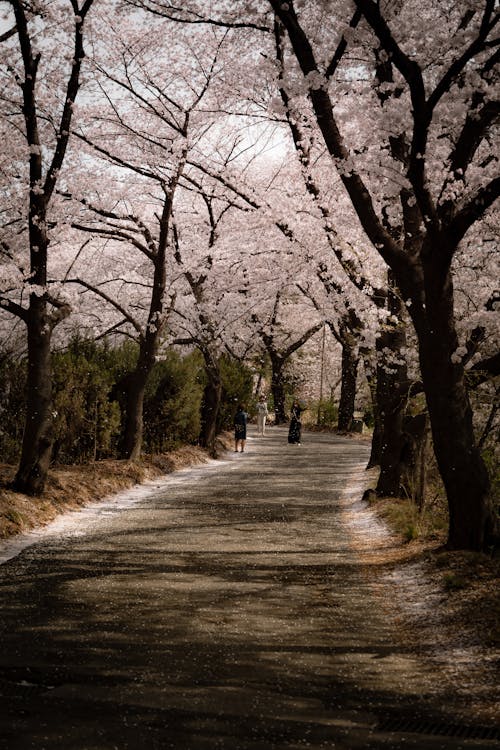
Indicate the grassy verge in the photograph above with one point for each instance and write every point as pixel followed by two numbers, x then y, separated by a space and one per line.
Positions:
pixel 468 581
pixel 409 523
pixel 71 487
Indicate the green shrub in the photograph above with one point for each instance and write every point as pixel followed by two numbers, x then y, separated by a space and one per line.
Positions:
pixel 326 412
pixel 120 360
pixel 173 402
pixel 237 387
pixel 87 423
pixel 12 405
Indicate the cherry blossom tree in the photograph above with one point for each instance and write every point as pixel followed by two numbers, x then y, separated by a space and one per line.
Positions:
pixel 41 64
pixel 447 104
pixel 280 344
pixel 205 321
pixel 391 383
pixel 144 124
pixel 420 178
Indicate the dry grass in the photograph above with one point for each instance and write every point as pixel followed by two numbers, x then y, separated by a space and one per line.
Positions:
pixel 469 580
pixel 70 487
pixel 405 519
pixel 465 615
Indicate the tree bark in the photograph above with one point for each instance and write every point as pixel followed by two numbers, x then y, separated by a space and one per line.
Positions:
pixel 472 519
pixel 133 429
pixel 350 360
pixel 371 378
pixel 415 458
pixel 210 406
pixel 391 385
pixel 38 439
pixel 278 391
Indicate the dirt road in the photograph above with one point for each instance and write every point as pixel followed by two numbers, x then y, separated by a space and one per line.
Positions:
pixel 235 606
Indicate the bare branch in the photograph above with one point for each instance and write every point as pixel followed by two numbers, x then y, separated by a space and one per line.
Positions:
pixel 63 131
pixel 13 308
pixel 129 318
pixel 7 34
pixel 182 15
pixel 117 160
pixel 342 46
pixel 474 209
pixel 115 233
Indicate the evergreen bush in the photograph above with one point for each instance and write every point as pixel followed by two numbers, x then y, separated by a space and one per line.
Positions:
pixel 237 388
pixel 12 405
pixel 327 413
pixel 173 402
pixel 87 422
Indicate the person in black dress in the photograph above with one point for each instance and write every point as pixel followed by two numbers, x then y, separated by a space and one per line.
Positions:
pixel 295 424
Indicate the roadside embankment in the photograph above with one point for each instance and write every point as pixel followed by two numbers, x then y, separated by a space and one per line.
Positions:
pixel 72 487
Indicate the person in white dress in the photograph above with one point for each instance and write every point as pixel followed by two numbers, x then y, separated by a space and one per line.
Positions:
pixel 262 413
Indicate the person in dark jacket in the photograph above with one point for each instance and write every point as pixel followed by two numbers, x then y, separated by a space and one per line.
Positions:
pixel 240 429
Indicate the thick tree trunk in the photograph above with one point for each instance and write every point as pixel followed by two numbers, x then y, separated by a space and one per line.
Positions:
pixel 210 408
pixel 132 389
pixel 472 519
pixel 350 360
pixel 38 439
pixel 258 384
pixel 133 429
pixel 376 446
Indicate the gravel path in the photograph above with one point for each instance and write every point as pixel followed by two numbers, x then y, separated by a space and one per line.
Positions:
pixel 234 606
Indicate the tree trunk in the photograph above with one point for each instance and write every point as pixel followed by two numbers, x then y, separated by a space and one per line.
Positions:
pixel 132 433
pixel 371 379
pixel 390 414
pixel 392 382
pixel 38 439
pixel 210 408
pixel 131 389
pixel 258 384
pixel 278 391
pixel 415 458
pixel 350 360
pixel 472 519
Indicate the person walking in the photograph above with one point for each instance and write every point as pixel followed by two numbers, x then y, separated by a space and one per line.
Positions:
pixel 295 424
pixel 262 413
pixel 240 429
